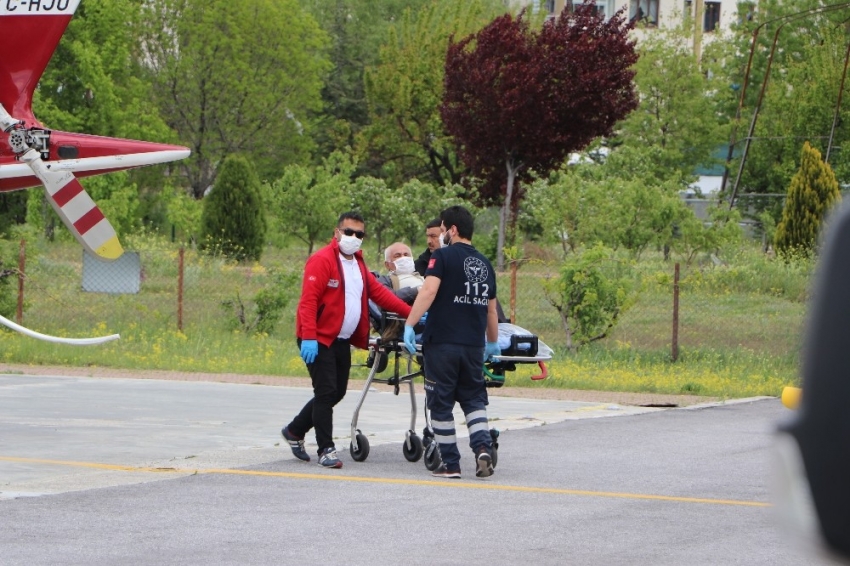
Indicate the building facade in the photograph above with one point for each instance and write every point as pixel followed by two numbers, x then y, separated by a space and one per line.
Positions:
pixel 717 16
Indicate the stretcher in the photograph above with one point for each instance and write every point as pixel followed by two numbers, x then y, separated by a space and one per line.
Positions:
pixel 387 350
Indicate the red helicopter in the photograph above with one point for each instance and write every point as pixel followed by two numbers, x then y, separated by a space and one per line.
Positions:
pixel 32 155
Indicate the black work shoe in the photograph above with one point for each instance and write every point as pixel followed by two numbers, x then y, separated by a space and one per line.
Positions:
pixel 296 444
pixel 484 462
pixel 443 472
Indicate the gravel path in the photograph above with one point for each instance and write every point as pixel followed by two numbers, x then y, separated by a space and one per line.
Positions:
pixel 532 392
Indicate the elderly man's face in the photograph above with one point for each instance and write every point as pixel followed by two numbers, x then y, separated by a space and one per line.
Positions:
pixel 395 253
pixel 433 235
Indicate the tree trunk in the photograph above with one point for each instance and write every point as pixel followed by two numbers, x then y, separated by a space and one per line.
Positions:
pixel 566 324
pixel 503 216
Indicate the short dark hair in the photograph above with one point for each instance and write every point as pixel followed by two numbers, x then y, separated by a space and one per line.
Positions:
pixel 434 223
pixel 350 215
pixel 460 218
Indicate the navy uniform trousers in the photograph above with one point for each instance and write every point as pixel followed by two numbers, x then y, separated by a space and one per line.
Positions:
pixel 453 373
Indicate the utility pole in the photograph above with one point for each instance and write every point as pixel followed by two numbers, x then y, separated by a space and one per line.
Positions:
pixel 698 12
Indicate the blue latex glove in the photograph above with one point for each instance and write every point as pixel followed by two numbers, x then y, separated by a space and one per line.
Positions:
pixel 491 349
pixel 409 339
pixel 423 319
pixel 309 350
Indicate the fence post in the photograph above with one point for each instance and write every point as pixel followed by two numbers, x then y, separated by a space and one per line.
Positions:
pixel 675 353
pixel 22 260
pixel 513 290
pixel 180 290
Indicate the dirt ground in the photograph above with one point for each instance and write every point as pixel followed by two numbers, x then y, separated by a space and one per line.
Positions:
pixel 533 391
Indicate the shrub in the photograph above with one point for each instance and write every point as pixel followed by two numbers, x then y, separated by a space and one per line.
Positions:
pixel 233 220
pixel 590 293
pixel 264 311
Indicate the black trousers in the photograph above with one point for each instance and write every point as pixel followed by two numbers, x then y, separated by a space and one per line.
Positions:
pixel 453 375
pixel 329 373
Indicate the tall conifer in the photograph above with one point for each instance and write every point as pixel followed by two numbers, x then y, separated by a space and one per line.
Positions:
pixel 812 194
pixel 233 219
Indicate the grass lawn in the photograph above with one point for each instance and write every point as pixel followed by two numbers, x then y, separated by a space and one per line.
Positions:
pixel 733 341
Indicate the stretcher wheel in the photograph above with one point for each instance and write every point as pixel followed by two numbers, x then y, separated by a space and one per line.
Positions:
pixel 413 452
pixel 382 362
pixel 432 455
pixel 362 451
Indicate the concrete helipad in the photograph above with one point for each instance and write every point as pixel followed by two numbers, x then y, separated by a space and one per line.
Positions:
pixel 196 425
pixel 123 471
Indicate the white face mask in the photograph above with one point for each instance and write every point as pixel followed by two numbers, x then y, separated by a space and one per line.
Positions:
pixel 445 240
pixel 349 244
pixel 404 265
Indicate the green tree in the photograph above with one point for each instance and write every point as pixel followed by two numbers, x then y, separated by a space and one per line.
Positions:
pixel 695 236
pixel 183 212
pixel 812 194
pixel 590 292
pixel 378 206
pixel 236 77
pixel 233 220
pixel 420 202
pixel 356 29
pixel 406 138
pixel 799 101
pixel 678 106
pixel 621 202
pixel 13 209
pixel 401 214
pixel 306 201
pixel 95 82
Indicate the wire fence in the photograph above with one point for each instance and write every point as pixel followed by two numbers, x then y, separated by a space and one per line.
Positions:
pixel 183 291
pixel 671 311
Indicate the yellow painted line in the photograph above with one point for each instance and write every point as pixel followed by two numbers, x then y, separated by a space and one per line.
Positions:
pixel 366 479
pixel 95 465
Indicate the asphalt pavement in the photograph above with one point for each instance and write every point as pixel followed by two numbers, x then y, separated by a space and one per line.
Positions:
pixel 123 471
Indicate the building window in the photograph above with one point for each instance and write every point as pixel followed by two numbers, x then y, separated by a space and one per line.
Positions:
pixel 712 16
pixel 600 9
pixel 644 11
pixel 711 13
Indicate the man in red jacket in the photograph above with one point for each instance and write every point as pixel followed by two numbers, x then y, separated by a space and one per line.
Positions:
pixel 333 315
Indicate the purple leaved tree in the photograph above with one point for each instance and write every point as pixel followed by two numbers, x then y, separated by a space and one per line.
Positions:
pixel 517 100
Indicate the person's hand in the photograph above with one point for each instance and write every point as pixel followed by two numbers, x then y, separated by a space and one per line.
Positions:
pixel 309 350
pixel 409 339
pixel 491 349
pixel 424 318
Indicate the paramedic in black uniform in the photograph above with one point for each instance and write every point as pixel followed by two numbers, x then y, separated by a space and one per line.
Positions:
pixel 459 295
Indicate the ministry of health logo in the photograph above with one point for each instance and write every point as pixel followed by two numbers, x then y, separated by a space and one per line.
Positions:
pixel 475 269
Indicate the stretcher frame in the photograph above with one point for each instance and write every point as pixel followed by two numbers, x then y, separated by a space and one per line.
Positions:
pixel 385 349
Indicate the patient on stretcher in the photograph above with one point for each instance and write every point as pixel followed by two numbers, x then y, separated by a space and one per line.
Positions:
pixel 404 282
pixel 514 341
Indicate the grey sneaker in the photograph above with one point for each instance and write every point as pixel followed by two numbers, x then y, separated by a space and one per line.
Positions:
pixel 296 444
pixel 484 462
pixel 443 472
pixel 328 459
